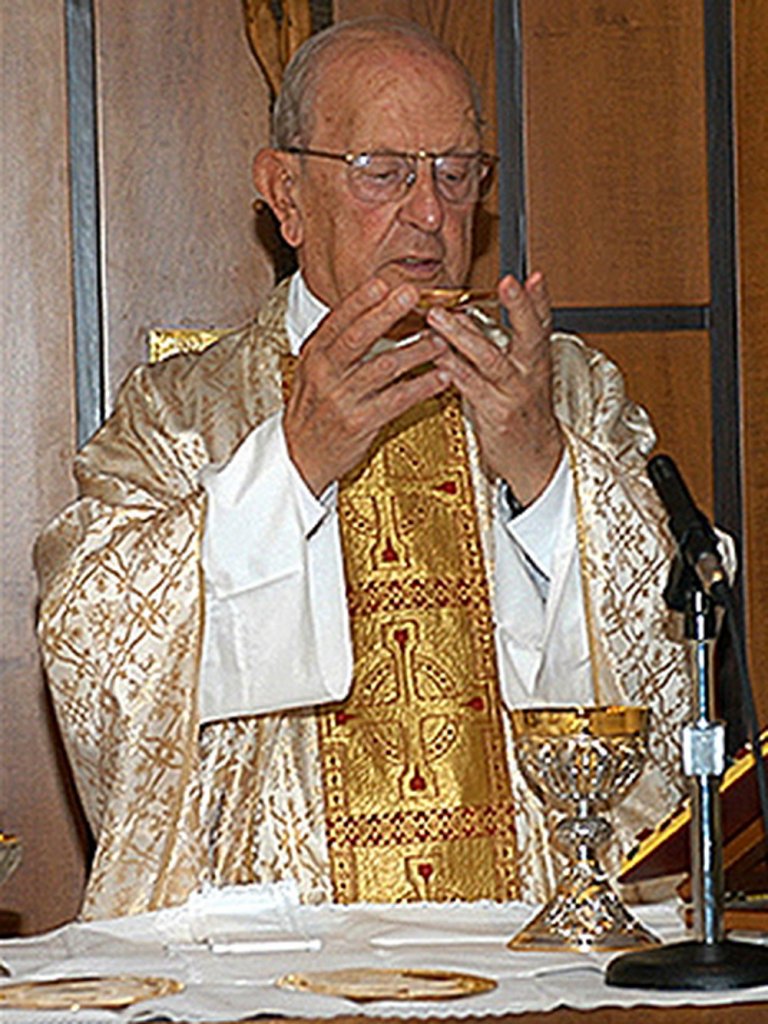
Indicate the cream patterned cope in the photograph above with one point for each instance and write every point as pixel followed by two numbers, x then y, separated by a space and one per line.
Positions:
pixel 174 805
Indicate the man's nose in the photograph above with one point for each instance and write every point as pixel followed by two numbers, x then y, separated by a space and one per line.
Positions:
pixel 423 205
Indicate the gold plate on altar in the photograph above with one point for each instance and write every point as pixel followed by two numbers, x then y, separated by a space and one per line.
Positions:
pixel 368 984
pixel 86 993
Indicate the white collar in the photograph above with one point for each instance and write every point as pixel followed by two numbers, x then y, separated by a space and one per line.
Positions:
pixel 304 312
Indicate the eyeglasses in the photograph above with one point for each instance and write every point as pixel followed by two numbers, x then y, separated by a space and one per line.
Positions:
pixel 384 177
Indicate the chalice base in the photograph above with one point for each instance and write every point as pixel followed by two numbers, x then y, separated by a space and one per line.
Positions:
pixel 584 914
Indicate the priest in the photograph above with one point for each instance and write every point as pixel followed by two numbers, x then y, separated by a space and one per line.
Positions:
pixel 310 569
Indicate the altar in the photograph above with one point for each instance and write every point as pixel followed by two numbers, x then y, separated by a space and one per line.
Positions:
pixel 238 954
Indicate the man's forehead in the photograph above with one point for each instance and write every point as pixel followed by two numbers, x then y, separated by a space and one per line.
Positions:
pixel 388 90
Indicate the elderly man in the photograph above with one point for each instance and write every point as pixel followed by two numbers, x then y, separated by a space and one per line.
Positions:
pixel 311 567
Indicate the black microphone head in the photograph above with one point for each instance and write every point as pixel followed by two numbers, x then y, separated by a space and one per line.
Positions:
pixel 684 516
pixel 666 478
pixel 696 540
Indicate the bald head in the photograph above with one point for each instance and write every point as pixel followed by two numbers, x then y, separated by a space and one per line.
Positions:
pixel 293 116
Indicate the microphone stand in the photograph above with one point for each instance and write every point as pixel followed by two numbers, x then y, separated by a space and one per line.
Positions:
pixel 709 962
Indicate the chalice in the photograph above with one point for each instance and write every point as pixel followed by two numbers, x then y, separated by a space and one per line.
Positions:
pixel 582 760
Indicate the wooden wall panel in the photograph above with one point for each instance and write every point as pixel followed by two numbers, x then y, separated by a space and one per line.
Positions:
pixel 616 151
pixel 38 435
pixel 751 53
pixel 669 374
pixel 468 30
pixel 184 109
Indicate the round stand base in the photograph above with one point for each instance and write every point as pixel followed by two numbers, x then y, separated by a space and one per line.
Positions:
pixel 708 967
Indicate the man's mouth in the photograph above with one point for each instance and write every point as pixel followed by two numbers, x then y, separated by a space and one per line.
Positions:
pixel 421 268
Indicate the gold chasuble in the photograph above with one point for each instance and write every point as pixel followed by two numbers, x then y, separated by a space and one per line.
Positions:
pixel 417 791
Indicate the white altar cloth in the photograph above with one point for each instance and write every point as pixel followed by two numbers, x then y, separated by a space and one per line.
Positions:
pixel 229 947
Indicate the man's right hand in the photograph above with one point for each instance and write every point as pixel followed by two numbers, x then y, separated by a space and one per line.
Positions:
pixel 340 400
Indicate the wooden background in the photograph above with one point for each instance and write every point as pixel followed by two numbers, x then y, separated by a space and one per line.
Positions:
pixel 37 445
pixel 617 212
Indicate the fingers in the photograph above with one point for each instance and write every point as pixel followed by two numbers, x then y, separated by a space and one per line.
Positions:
pixel 383 388
pixel 475 386
pixel 386 369
pixel 518 434
pixel 466 338
pixel 342 396
pixel 355 324
pixel 339 399
pixel 536 287
pixel 530 327
pixel 386 405
pixel 529 309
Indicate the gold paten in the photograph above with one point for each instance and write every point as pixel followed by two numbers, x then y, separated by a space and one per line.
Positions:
pixel 86 993
pixel 456 298
pixel 368 984
pixel 417 790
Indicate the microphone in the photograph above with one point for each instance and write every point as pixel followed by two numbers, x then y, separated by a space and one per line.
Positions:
pixel 696 539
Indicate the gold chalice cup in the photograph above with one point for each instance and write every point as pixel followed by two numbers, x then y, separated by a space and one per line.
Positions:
pixel 582 760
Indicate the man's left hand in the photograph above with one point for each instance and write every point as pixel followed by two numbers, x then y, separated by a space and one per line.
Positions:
pixel 508 392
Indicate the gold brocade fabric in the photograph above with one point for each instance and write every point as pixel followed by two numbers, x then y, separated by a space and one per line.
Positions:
pixel 417 792
pixel 174 804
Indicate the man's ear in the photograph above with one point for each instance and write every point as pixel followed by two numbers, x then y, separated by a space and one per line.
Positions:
pixel 274 179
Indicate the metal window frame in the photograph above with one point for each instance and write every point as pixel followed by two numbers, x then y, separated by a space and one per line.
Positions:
pixel 87 294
